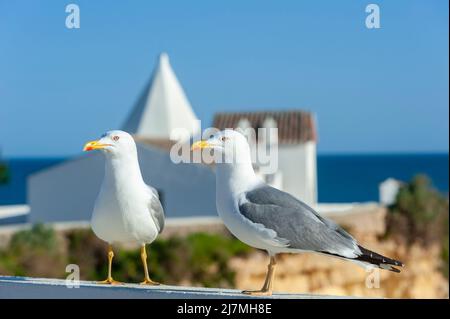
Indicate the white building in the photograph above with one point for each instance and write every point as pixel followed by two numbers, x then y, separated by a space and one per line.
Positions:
pixel 162 107
pixel 66 192
pixel 388 190
pixel 297 167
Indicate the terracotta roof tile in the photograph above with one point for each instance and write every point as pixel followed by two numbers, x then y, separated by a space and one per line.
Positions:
pixel 294 127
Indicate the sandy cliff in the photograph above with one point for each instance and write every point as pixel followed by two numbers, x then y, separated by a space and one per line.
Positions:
pixel 313 273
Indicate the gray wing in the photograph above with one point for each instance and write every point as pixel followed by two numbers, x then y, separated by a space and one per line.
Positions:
pixel 156 210
pixel 296 222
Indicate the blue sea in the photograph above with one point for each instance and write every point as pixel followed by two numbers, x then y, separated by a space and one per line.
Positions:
pixel 341 178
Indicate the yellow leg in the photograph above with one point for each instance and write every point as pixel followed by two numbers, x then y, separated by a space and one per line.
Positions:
pixel 147 280
pixel 109 280
pixel 266 289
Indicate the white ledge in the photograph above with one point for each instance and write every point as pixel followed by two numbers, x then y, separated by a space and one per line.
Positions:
pixel 42 288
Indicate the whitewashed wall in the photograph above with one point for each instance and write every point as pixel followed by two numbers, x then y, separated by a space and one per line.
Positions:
pixel 298 166
pixel 67 192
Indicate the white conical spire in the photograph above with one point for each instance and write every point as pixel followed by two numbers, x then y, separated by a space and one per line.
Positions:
pixel 163 107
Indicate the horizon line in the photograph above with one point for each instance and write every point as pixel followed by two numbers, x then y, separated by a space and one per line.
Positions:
pixel 320 153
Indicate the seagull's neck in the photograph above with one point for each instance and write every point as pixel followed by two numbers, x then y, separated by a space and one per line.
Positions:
pixel 236 177
pixel 121 170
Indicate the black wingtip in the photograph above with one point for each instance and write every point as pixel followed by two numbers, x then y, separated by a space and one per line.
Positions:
pixel 389 267
pixel 394 269
pixel 376 259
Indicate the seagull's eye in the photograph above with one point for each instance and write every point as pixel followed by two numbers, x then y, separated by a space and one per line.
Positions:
pixel 115 138
pixel 224 138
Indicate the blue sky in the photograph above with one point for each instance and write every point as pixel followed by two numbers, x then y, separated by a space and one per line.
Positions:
pixel 383 90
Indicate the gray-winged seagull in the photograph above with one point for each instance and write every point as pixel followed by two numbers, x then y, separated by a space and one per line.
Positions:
pixel 126 210
pixel 270 219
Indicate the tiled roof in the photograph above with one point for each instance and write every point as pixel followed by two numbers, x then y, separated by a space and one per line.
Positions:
pixel 294 127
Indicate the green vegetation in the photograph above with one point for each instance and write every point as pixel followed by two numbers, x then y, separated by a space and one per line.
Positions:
pixel 198 259
pixel 34 252
pixel 420 214
pixel 4 173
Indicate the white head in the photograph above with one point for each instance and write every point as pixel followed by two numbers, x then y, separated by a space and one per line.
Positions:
pixel 232 146
pixel 114 144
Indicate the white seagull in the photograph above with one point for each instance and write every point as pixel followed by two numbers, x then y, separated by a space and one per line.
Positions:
pixel 126 210
pixel 272 220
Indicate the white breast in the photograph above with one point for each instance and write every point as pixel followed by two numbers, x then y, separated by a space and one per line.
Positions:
pixel 121 214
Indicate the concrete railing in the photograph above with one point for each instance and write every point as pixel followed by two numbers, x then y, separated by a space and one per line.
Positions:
pixel 25 287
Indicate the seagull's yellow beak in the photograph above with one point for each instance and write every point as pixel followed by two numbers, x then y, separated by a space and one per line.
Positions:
pixel 94 145
pixel 200 145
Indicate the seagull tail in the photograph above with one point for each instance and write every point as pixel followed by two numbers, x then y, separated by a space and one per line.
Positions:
pixel 370 257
